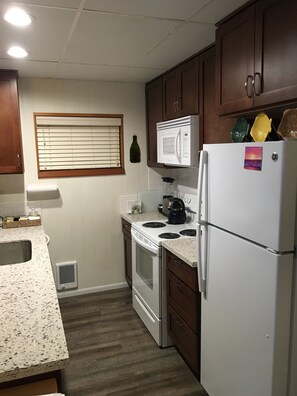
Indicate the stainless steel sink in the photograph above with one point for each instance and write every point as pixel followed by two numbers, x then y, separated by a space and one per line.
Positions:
pixel 15 252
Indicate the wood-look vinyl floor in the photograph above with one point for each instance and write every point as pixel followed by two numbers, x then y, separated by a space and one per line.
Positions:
pixel 112 353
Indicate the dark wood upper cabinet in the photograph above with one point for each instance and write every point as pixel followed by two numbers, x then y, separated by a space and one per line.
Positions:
pixel 256 57
pixel 235 63
pixel 11 158
pixel 180 90
pixel 213 129
pixel 154 114
pixel 275 52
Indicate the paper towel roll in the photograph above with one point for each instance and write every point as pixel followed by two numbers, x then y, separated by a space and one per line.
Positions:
pixel 35 188
pixel 37 192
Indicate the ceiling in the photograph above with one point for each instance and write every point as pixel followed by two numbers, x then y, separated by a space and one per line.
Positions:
pixel 109 40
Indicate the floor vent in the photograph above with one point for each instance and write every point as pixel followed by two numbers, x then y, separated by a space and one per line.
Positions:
pixel 66 275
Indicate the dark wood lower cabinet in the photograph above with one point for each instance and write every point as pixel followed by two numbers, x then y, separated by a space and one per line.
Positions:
pixel 41 384
pixel 126 228
pixel 186 340
pixel 184 310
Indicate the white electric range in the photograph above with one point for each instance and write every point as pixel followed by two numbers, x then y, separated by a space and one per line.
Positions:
pixel 149 272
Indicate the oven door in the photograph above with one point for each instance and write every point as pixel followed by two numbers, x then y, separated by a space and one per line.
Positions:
pixel 146 273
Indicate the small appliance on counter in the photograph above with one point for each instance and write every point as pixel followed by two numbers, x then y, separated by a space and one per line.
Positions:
pixel 168 192
pixel 177 212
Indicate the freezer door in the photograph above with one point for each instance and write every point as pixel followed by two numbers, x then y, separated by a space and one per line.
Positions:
pixel 245 318
pixel 250 190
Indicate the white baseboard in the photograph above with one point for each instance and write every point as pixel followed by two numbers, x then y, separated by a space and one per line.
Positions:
pixel 89 290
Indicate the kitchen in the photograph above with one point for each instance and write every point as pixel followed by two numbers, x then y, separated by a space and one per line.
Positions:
pixel 89 205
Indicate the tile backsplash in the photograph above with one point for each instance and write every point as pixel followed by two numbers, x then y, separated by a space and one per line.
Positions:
pixel 19 208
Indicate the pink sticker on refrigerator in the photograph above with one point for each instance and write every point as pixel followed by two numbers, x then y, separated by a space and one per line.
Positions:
pixel 253 158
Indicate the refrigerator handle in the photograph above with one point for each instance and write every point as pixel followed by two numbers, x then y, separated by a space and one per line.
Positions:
pixel 201 175
pixel 201 264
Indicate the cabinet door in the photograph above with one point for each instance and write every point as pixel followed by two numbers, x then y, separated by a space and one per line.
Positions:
pixel 172 94
pixel 154 114
pixel 184 301
pixel 189 88
pixel 275 51
pixel 212 128
pixel 126 228
pixel 11 158
pixel 180 87
pixel 186 341
pixel 235 63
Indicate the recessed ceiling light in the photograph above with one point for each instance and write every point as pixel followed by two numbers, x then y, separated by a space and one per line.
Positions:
pixel 17 52
pixel 17 17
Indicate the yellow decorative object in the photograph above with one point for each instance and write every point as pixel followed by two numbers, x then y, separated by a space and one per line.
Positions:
pixel 261 127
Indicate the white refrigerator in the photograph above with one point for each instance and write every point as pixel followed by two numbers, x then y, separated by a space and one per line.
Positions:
pixel 247 268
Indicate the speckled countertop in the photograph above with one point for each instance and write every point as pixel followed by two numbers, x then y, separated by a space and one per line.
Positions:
pixel 184 248
pixel 146 216
pixel 32 339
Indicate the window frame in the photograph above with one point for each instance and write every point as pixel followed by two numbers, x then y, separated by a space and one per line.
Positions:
pixel 81 172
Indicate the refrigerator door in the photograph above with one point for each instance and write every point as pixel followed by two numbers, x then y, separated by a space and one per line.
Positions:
pixel 250 190
pixel 245 323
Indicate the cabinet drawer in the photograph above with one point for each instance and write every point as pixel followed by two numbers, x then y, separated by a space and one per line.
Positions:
pixel 184 301
pixel 186 341
pixel 126 226
pixel 182 270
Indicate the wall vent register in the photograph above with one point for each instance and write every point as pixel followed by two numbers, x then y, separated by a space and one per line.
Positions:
pixel 66 275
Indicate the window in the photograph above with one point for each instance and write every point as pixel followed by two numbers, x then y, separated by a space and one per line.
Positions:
pixel 79 144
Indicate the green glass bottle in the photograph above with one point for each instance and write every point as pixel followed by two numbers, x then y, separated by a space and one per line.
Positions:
pixel 134 151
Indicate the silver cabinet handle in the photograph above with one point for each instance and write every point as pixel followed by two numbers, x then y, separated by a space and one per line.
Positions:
pixel 257 84
pixel 18 161
pixel 248 88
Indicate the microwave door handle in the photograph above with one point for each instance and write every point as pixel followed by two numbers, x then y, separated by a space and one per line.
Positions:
pixel 178 145
pixel 144 245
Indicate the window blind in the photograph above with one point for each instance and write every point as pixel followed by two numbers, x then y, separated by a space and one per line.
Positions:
pixel 72 143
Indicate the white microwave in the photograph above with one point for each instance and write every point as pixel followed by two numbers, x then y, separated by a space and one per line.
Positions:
pixel 177 141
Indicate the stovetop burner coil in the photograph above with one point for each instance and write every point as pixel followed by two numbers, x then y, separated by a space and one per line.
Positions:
pixel 169 235
pixel 188 232
pixel 154 224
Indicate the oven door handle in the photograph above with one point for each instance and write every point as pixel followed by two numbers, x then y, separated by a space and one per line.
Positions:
pixel 152 249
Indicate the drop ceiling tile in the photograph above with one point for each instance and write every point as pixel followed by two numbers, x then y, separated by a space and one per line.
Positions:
pixel 30 69
pixel 44 3
pixel 187 40
pixel 172 9
pixel 106 73
pixel 216 10
pixel 115 40
pixel 44 39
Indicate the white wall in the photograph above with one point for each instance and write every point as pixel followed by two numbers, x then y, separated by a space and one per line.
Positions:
pixel 84 224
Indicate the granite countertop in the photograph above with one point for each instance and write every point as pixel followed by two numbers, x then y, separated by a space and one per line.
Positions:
pixel 32 339
pixel 184 248
pixel 145 216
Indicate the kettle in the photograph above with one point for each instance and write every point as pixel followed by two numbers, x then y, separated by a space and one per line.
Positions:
pixel 177 212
